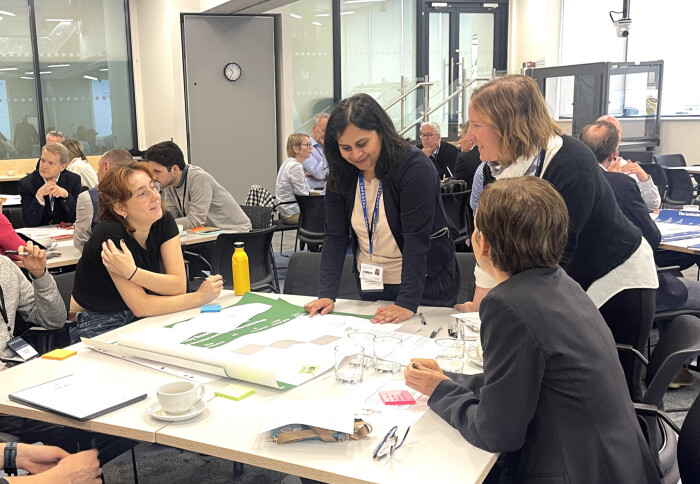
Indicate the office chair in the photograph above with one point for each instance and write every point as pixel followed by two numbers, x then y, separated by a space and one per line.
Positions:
pixel 658 176
pixel 259 196
pixel 312 222
pixel 260 216
pixel 261 261
pixel 44 340
pixel 680 189
pixel 458 209
pixel 466 262
pixel 304 271
pixel 670 160
pixel 637 156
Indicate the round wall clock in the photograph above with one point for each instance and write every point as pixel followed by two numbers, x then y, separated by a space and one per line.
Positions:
pixel 232 71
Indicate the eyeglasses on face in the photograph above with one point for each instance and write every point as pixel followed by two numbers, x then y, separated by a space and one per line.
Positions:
pixel 308 145
pixel 389 444
pixel 427 135
pixel 145 193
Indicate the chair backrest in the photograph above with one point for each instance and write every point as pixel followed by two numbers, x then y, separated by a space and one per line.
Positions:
pixel 638 156
pixel 14 215
pixel 258 248
pixel 689 445
pixel 312 218
pixel 680 342
pixel 304 271
pixel 260 216
pixel 680 188
pixel 259 196
pixel 670 160
pixel 64 282
pixel 658 176
pixel 466 262
pixel 457 208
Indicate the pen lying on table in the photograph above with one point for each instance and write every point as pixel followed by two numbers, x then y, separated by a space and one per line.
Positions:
pixel 436 332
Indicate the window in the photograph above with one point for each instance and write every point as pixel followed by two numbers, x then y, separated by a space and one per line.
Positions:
pixel 588 35
pixel 84 71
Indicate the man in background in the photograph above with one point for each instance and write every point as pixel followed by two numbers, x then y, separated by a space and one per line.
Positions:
pixel 442 153
pixel 87 211
pixel 316 166
pixel 50 192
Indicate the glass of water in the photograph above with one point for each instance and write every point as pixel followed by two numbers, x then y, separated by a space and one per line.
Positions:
pixel 450 355
pixel 366 340
pixel 349 359
pixel 386 352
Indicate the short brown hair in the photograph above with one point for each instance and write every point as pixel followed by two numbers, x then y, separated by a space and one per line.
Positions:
pixel 74 148
pixel 117 156
pixel 295 139
pixel 57 149
pixel 515 108
pixel 114 189
pixel 525 220
pixel 601 137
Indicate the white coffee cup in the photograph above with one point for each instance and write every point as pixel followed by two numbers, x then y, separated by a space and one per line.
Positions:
pixel 180 228
pixel 691 208
pixel 179 397
pixel 47 242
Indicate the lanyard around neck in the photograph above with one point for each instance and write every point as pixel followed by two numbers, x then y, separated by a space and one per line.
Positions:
pixel 3 308
pixel 375 219
pixel 540 164
pixel 181 203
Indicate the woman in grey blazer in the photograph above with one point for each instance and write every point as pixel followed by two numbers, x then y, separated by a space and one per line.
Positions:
pixel 552 397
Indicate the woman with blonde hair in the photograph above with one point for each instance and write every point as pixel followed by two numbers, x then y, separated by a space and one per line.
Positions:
pixel 119 277
pixel 291 178
pixel 79 163
pixel 510 124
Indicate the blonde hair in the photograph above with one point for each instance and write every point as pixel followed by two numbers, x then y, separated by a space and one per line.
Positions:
pixel 74 148
pixel 295 139
pixel 514 107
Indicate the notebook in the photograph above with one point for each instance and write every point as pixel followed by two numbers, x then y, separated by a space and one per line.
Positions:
pixel 78 396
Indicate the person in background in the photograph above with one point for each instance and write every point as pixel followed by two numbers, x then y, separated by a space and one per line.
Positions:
pixel 52 465
pixel 79 163
pixel 9 240
pixel 54 136
pixel 291 179
pixel 552 397
pixel 441 153
pixel 25 137
pixel 650 194
pixel 607 255
pixel 383 196
pixel 37 302
pixel 87 210
pixel 118 278
pixel 49 193
pixel 191 194
pixel 315 165
pixel 468 161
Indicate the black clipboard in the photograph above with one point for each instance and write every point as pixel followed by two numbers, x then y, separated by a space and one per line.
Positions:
pixel 78 397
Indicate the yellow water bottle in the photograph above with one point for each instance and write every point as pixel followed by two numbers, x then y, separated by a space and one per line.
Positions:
pixel 241 272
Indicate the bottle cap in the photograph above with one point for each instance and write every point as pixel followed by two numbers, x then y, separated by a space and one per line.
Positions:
pixel 238 245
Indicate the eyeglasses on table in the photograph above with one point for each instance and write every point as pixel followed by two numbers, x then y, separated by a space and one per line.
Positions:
pixel 389 444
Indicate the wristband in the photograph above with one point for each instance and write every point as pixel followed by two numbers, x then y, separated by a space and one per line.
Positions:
pixel 10 457
pixel 133 273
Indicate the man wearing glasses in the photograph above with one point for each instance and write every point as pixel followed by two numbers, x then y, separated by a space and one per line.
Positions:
pixel 442 153
pixel 316 166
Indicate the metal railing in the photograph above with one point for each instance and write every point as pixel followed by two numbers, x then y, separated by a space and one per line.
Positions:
pixel 427 110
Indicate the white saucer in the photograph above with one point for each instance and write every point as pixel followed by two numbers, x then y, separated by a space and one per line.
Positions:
pixel 183 233
pixel 156 411
pixel 479 363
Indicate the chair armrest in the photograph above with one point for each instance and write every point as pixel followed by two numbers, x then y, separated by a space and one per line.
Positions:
pixel 199 256
pixel 653 411
pixel 635 352
pixel 661 270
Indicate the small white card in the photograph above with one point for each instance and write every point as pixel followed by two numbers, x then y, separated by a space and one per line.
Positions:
pixel 371 272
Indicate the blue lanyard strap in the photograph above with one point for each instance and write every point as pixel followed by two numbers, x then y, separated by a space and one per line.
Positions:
pixel 363 199
pixel 540 163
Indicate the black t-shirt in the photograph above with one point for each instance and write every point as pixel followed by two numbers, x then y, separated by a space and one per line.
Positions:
pixel 94 289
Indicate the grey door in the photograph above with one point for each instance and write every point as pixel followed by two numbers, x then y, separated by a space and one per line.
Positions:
pixel 232 127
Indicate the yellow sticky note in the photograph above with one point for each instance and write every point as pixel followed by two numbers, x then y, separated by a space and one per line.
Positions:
pixel 59 354
pixel 234 392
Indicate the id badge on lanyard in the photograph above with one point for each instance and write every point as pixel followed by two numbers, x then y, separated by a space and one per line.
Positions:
pixel 371 274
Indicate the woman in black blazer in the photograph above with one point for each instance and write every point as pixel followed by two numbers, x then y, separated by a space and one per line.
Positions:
pixel 384 196
pixel 552 396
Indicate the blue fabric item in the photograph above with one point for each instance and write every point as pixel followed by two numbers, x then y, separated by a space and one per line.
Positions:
pixel 91 324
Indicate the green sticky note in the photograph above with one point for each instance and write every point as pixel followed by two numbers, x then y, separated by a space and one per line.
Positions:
pixel 234 392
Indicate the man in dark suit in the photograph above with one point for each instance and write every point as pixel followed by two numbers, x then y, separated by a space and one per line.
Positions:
pixel 443 154
pixel 552 398
pixel 50 192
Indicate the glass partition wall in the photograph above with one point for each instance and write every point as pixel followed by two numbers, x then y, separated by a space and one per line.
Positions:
pixel 65 65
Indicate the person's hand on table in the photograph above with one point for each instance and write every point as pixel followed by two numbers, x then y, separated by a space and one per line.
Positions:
pixel 33 259
pixel 323 305
pixel 467 307
pixel 424 375
pixel 391 314
pixel 632 168
pixel 210 288
pixel 38 458
pixel 118 261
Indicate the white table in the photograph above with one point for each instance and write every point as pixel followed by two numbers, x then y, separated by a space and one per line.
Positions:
pixel 694 169
pixel 228 429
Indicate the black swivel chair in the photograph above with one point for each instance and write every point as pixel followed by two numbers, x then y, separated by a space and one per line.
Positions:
pixel 658 176
pixel 14 215
pixel 637 156
pixel 260 216
pixel 458 209
pixel 312 222
pixel 44 340
pixel 680 188
pixel 258 248
pixel 670 160
pixel 304 271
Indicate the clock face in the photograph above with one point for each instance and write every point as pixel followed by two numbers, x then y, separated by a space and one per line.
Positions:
pixel 232 71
